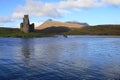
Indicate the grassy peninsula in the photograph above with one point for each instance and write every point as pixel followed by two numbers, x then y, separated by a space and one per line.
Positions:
pixel 88 30
pixel 48 32
pixel 96 30
pixel 15 32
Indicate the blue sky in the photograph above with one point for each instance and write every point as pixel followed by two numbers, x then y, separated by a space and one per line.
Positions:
pixel 93 12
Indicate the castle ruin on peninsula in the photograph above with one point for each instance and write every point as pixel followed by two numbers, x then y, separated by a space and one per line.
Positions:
pixel 25 26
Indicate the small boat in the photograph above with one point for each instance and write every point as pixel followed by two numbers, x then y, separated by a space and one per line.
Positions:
pixel 65 35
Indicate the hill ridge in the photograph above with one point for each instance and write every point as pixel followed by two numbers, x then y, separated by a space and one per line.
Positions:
pixel 50 23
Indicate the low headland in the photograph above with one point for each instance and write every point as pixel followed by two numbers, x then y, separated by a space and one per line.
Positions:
pixel 15 32
pixel 97 30
pixel 113 30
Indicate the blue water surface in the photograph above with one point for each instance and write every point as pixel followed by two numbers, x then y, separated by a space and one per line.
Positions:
pixel 59 58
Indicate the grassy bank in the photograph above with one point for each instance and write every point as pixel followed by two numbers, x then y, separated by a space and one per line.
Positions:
pixel 48 32
pixel 14 32
pixel 96 30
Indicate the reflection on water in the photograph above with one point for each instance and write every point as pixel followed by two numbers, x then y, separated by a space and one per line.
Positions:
pixel 59 58
pixel 26 50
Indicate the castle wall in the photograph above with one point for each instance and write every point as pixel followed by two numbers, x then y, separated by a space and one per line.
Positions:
pixel 31 29
pixel 26 26
pixel 21 26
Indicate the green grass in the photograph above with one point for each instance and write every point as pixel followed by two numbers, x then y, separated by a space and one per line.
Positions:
pixel 14 32
pixel 96 30
pixel 90 30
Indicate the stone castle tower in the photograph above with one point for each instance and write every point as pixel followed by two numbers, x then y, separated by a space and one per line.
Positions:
pixel 25 26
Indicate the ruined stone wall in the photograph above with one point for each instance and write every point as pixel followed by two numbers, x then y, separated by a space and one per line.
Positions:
pixel 21 26
pixel 31 29
pixel 26 26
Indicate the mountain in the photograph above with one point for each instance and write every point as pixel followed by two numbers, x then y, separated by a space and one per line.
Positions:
pixel 51 23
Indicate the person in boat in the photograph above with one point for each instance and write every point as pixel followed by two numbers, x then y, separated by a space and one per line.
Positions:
pixel 65 35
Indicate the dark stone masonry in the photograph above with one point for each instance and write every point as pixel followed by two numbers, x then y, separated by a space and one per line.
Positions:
pixel 25 26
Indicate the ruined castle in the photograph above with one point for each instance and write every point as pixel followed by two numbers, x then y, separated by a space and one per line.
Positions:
pixel 25 26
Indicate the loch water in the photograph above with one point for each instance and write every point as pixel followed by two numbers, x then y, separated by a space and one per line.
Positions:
pixel 60 58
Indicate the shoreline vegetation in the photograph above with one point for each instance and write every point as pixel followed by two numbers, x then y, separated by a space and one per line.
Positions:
pixel 15 32
pixel 102 30
pixel 97 30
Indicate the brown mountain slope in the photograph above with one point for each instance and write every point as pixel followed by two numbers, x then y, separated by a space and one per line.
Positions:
pixel 50 23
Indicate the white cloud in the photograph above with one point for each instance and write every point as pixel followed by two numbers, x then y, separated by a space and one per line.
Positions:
pixel 112 2
pixel 37 23
pixel 5 19
pixel 1 24
pixel 54 10
pixel 37 8
pixel 78 3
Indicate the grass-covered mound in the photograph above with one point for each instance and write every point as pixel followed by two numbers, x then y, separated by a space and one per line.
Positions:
pixel 96 30
pixel 15 32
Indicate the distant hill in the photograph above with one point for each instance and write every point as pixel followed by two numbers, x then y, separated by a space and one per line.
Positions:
pixel 51 23
pixel 75 22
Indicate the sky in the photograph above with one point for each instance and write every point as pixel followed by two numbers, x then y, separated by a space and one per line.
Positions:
pixel 93 12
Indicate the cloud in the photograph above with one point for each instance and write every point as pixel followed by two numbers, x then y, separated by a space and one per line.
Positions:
pixel 55 10
pixel 37 23
pixel 1 24
pixel 5 19
pixel 112 2
pixel 78 3
pixel 37 8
